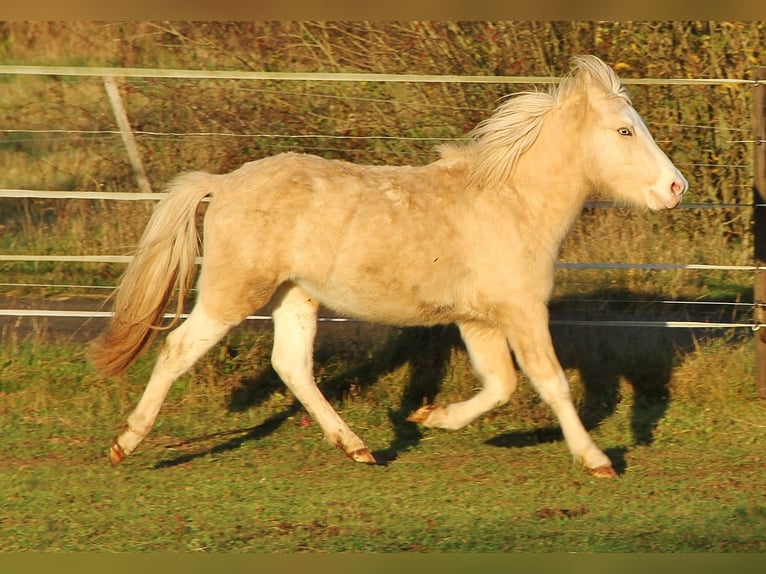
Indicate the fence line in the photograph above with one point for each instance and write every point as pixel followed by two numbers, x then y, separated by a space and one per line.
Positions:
pixel 140 196
pixel 117 195
pixel 563 322
pixel 101 73
pixel 558 299
pixel 604 266
pixel 304 136
pixel 233 135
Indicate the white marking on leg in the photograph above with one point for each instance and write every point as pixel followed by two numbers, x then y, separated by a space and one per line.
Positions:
pixel 556 394
pixel 181 349
pixel 295 320
pixel 534 351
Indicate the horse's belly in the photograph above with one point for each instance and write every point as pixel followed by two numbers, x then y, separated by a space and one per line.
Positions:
pixel 393 307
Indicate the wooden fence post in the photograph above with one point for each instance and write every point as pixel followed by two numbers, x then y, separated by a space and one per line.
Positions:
pixel 121 117
pixel 759 226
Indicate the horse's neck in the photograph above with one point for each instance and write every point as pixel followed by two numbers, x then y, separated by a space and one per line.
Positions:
pixel 546 203
pixel 549 186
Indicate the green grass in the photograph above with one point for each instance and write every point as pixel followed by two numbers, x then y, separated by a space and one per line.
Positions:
pixel 234 465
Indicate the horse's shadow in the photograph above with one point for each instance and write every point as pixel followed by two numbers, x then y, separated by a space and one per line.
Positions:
pixel 425 350
pixel 602 356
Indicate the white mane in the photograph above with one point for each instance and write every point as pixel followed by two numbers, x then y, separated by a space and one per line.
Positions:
pixel 503 137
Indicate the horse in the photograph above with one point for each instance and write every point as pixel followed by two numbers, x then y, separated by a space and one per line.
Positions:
pixel 468 239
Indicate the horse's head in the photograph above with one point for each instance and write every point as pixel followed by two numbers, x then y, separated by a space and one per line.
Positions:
pixel 622 158
pixel 592 133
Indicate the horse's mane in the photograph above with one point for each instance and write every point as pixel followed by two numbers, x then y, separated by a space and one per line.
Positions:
pixel 503 137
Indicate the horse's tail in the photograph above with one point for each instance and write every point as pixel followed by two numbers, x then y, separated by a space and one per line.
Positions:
pixel 164 262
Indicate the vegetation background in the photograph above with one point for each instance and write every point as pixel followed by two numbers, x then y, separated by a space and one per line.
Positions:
pixel 234 464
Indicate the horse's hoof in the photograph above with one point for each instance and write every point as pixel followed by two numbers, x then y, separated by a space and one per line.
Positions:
pixel 421 415
pixel 363 455
pixel 116 454
pixel 603 472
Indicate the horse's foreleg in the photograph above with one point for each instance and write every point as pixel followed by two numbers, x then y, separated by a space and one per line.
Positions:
pixel 295 320
pixel 181 349
pixel 491 359
pixel 534 351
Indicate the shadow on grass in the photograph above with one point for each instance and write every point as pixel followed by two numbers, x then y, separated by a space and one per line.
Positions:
pixel 603 357
pixel 238 438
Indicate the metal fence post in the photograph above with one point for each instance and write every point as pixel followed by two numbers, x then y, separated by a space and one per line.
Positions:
pixel 759 226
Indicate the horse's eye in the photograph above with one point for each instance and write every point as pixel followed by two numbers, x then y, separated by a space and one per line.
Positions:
pixel 625 131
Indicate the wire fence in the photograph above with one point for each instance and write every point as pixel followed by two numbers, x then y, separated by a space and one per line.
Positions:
pixel 734 135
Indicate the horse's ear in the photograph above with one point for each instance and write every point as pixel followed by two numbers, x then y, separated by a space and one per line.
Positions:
pixel 592 71
pixel 584 68
pixel 587 62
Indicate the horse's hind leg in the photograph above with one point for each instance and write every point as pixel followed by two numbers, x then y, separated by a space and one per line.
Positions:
pixel 491 359
pixel 295 321
pixel 180 351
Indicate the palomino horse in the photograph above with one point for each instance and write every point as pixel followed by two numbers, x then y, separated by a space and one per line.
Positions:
pixel 469 239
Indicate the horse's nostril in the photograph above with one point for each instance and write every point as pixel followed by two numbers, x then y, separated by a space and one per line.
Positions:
pixel 677 187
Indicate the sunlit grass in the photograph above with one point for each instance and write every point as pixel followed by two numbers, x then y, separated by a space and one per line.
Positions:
pixel 234 464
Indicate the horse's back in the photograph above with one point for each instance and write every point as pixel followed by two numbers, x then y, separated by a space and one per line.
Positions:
pixel 304 198
pixel 356 237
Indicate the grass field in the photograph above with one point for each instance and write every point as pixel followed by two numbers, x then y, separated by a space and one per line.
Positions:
pixel 235 465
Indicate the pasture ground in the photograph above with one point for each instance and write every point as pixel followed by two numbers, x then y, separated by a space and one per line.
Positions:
pixel 234 465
